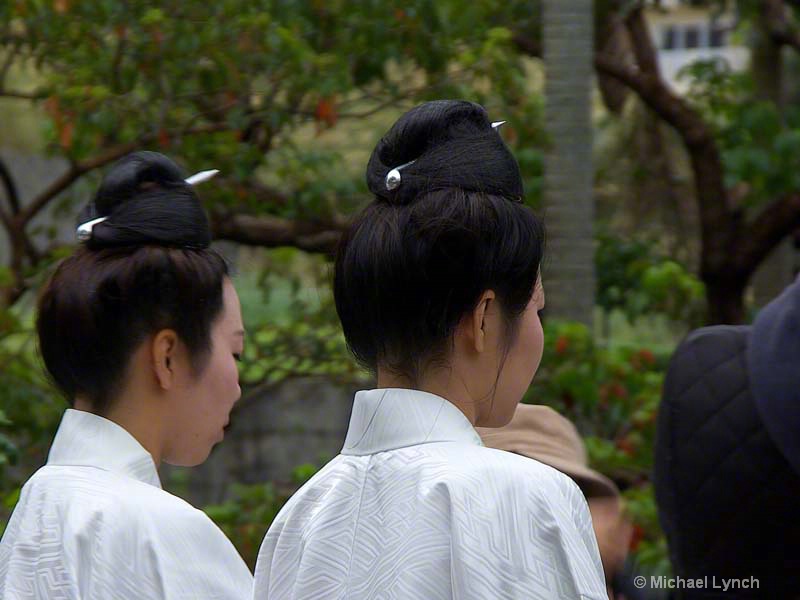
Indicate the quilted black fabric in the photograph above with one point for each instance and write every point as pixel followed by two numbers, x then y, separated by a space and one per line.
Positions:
pixel 728 500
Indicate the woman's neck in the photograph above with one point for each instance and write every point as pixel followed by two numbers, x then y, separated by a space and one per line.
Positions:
pixel 441 382
pixel 134 416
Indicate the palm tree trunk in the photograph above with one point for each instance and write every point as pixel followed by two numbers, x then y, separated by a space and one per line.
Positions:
pixel 569 275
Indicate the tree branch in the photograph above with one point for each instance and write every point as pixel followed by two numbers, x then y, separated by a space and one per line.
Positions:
pixel 116 63
pixel 256 193
pixel 10 187
pixel 645 80
pixel 7 66
pixel 612 40
pixel 8 296
pixel 527 44
pixel 773 224
pixel 39 95
pixel 72 174
pixel 641 43
pixel 271 232
pixel 5 219
pixel 778 24
pixel 78 169
pixel 717 223
pixel 19 242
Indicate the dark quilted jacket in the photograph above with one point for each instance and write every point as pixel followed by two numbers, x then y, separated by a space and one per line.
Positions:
pixel 728 500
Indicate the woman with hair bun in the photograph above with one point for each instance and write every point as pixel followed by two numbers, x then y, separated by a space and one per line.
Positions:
pixel 437 287
pixel 140 329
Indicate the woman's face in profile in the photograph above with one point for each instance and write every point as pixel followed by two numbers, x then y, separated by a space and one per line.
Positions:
pixel 204 401
pixel 521 362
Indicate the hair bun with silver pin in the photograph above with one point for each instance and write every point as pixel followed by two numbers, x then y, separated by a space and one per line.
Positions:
pixel 145 199
pixel 393 177
pixel 84 230
pixel 451 144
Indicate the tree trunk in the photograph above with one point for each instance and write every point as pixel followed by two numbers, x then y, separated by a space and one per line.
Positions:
pixel 767 67
pixel 725 301
pixel 569 275
pixel 732 247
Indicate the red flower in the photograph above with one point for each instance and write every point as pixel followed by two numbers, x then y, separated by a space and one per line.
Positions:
pixel 636 537
pixel 619 391
pixel 326 112
pixel 626 446
pixel 642 359
pixel 647 357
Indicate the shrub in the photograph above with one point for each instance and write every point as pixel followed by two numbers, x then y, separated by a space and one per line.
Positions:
pixel 612 396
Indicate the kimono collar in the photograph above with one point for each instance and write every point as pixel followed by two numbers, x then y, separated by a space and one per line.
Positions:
pixel 85 439
pixel 388 419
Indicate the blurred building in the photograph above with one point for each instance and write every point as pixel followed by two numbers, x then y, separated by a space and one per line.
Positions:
pixel 684 34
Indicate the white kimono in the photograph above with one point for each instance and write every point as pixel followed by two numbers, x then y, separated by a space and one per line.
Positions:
pixel 94 524
pixel 415 507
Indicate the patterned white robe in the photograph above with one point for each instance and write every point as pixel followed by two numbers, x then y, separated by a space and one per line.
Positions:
pixel 94 524
pixel 415 507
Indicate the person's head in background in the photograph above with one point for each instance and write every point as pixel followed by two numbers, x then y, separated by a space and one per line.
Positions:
pixel 437 281
pixel 542 434
pixel 141 324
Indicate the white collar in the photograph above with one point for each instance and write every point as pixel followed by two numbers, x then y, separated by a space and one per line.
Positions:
pixel 86 439
pixel 391 418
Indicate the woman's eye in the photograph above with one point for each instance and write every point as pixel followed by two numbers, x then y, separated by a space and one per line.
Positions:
pixel 237 357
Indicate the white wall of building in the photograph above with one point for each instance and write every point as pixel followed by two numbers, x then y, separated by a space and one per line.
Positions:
pixel 684 35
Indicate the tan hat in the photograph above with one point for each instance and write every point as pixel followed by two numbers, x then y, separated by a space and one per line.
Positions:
pixel 541 433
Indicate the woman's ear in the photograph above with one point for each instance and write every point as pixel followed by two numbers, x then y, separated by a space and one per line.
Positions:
pixel 476 327
pixel 164 349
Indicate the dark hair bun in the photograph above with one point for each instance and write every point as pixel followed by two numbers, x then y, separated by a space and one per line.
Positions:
pixel 416 260
pixel 146 201
pixel 453 145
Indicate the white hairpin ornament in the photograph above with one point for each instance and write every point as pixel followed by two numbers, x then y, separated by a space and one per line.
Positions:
pixel 393 177
pixel 84 231
pixel 201 176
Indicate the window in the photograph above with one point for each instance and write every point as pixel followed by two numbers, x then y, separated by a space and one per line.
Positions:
pixel 717 36
pixel 695 35
pixel 670 38
pixel 691 37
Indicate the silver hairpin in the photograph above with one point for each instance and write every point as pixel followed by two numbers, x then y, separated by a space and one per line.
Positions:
pixel 498 124
pixel 84 231
pixel 201 176
pixel 393 177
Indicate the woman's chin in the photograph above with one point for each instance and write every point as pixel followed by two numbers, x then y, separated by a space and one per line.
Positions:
pixel 193 458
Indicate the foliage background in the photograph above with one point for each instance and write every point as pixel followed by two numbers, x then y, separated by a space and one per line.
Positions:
pixel 287 99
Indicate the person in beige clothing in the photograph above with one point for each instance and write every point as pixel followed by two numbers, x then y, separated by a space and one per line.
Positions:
pixel 542 434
